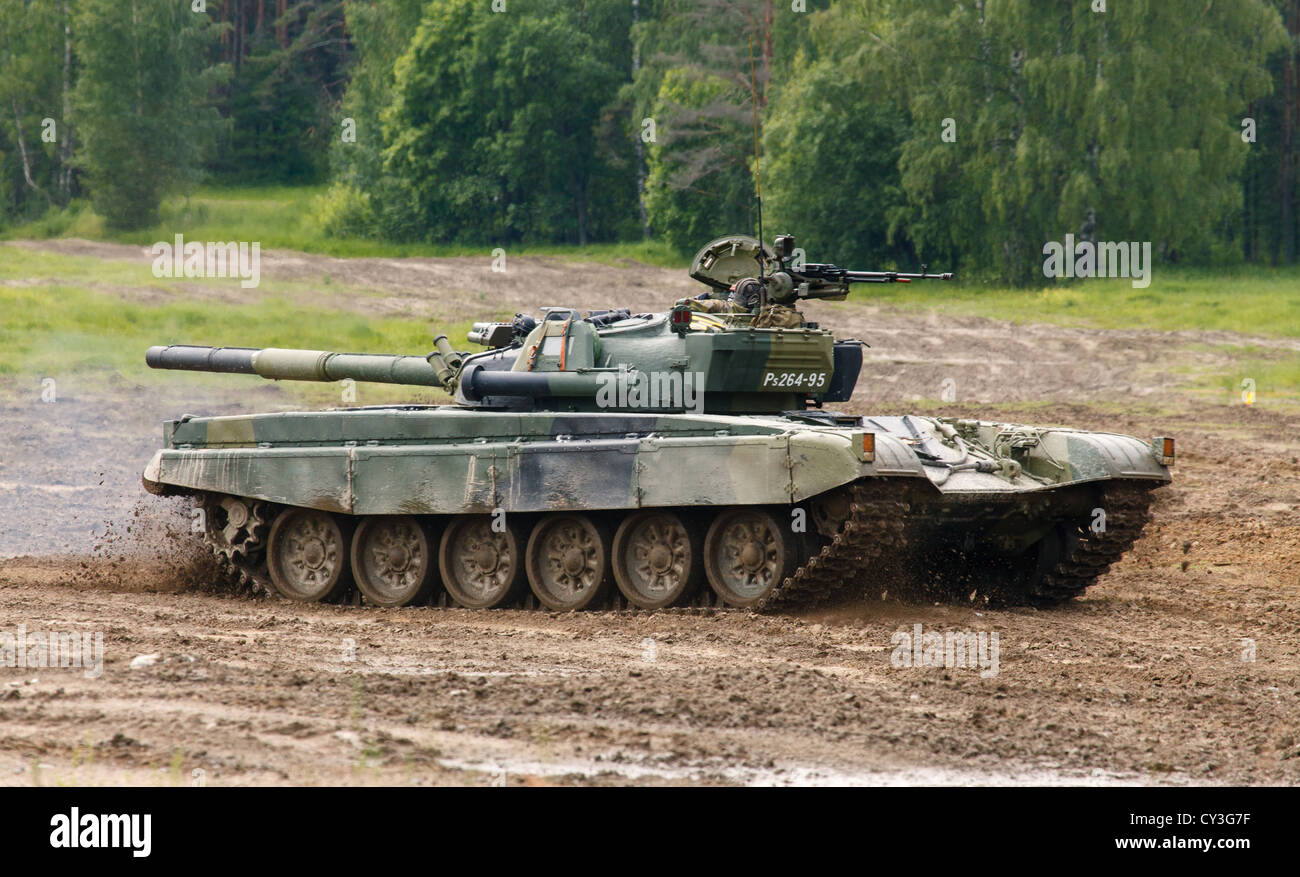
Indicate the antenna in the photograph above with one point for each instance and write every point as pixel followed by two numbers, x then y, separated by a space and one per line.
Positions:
pixel 758 179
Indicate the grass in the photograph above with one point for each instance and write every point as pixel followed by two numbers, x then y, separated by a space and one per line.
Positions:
pixel 68 330
pixel 61 327
pixel 286 217
pixel 1258 301
pixel 61 312
pixel 1253 301
pixel 1272 375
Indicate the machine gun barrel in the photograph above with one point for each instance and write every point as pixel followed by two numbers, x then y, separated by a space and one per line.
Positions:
pixel 891 277
pixel 832 274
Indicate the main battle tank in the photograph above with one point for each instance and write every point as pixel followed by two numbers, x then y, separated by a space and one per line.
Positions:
pixel 677 456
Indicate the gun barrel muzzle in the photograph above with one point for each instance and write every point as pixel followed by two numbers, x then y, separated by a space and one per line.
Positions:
pixel 187 357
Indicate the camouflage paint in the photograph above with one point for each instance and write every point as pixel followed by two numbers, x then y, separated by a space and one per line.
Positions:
pixel 443 460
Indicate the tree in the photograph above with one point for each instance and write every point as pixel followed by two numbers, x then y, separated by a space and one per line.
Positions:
pixel 1271 207
pixel 707 76
pixel 491 131
pixel 286 76
pixel 700 185
pixel 832 143
pixel 35 130
pixel 139 103
pixel 1133 114
pixel 364 201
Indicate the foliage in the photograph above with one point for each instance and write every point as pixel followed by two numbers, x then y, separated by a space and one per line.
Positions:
pixel 138 103
pixel 491 129
pixel 35 78
pixel 1132 114
pixel 547 122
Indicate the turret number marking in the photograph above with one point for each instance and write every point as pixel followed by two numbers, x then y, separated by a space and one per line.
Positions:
pixel 806 380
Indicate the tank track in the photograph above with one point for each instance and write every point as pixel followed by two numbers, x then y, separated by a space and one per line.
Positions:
pixel 245 574
pixel 873 529
pixel 1127 510
pixel 243 563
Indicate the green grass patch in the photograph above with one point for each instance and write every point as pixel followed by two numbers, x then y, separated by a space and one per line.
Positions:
pixel 1255 301
pixel 1246 299
pixel 1269 376
pixel 70 332
pixel 48 270
pixel 287 217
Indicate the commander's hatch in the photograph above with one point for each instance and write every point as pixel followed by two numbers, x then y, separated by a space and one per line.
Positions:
pixel 724 261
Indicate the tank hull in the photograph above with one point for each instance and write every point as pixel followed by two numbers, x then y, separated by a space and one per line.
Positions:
pixel 448 460
pixel 919 493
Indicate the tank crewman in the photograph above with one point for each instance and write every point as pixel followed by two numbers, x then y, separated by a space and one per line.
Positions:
pixel 745 297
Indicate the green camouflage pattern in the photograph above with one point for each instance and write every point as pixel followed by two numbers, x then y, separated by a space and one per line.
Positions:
pixel 448 460
pixel 712 412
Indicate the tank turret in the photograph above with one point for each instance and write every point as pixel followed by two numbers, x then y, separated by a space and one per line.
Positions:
pixel 749 351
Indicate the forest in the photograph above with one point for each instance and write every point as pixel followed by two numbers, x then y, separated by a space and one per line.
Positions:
pixel 884 132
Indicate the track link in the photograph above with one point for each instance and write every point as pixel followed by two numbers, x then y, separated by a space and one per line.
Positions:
pixel 1090 555
pixel 873 529
pixel 243 561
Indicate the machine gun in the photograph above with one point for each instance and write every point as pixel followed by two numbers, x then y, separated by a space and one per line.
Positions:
pixel 843 276
pixel 788 283
pixel 731 263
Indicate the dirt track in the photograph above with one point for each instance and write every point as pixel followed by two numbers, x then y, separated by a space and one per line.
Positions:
pixel 1142 681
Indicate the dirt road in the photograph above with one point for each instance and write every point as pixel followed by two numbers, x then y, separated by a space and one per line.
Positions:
pixel 1181 666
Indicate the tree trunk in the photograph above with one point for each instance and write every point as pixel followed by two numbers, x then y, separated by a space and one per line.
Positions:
pixel 26 160
pixel 768 52
pixel 65 140
pixel 1247 202
pixel 238 31
pixel 637 143
pixel 1286 168
pixel 582 213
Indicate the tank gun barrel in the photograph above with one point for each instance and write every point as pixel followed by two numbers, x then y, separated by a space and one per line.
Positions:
pixel 185 357
pixel 301 365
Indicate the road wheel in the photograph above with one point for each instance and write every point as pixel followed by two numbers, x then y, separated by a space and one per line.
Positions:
pixel 746 554
pixel 658 559
pixel 308 555
pixel 392 560
pixel 481 568
pixel 568 561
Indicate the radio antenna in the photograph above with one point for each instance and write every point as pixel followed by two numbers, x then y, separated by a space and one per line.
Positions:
pixel 758 179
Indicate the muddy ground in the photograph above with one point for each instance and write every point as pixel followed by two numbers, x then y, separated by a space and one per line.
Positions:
pixel 1181 666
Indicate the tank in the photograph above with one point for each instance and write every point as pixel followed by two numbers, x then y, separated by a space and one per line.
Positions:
pixel 616 459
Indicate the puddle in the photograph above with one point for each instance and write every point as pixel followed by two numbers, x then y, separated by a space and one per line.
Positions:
pixel 801 775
